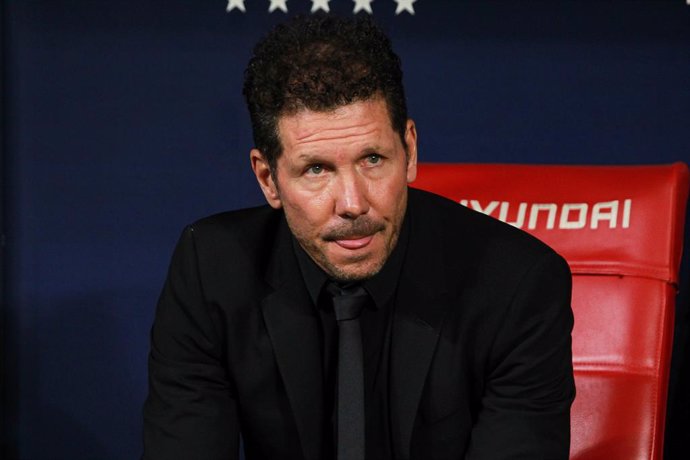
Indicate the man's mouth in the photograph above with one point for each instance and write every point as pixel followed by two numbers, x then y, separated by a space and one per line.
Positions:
pixel 354 243
pixel 356 234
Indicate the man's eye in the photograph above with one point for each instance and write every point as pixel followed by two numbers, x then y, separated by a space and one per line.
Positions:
pixel 315 169
pixel 373 158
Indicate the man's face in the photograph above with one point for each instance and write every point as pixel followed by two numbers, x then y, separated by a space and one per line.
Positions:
pixel 342 182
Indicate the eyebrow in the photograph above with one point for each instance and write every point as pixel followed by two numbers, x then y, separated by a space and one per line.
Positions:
pixel 307 157
pixel 311 157
pixel 374 149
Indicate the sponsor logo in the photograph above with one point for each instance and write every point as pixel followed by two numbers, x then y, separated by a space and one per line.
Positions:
pixel 562 216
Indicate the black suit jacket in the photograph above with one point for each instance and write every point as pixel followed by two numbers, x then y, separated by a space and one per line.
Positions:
pixel 480 349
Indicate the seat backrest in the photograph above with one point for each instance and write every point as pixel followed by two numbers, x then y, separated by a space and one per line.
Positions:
pixel 621 230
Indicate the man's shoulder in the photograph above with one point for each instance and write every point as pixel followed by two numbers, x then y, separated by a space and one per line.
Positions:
pixel 235 235
pixel 476 236
pixel 240 220
pixel 464 222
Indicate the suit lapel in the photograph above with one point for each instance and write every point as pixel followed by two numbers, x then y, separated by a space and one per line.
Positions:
pixel 293 330
pixel 412 348
pixel 421 306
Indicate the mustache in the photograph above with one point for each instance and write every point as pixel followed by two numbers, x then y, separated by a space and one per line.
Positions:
pixel 359 227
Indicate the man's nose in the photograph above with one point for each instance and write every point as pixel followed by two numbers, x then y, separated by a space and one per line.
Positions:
pixel 351 196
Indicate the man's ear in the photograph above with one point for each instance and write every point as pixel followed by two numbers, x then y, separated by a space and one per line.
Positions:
pixel 411 145
pixel 262 171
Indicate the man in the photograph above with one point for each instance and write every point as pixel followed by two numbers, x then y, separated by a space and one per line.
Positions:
pixel 464 336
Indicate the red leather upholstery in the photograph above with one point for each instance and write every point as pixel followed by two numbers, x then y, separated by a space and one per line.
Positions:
pixel 620 228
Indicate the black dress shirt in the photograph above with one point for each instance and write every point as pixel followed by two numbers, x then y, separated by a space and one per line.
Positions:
pixel 376 323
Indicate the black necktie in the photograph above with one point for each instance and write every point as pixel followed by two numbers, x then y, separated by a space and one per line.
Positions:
pixel 347 304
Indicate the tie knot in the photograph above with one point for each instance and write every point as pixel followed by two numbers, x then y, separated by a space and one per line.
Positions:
pixel 348 301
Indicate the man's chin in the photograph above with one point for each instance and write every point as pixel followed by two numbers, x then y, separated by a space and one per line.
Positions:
pixel 353 270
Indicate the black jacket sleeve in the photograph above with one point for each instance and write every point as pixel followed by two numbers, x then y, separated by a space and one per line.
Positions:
pixel 525 410
pixel 191 411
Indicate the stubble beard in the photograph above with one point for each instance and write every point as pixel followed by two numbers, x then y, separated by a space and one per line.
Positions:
pixel 339 272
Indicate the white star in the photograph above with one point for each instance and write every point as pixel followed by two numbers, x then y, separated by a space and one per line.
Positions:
pixel 239 4
pixel 320 5
pixel 404 5
pixel 278 5
pixel 366 6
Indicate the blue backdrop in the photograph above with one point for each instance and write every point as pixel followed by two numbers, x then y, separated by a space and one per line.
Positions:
pixel 124 120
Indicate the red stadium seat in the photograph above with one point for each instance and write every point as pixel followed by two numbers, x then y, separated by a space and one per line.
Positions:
pixel 621 230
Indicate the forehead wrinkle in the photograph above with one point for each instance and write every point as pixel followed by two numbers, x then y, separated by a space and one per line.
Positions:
pixel 331 134
pixel 359 123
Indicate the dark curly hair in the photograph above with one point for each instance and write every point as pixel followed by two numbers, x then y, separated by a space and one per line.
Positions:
pixel 320 62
